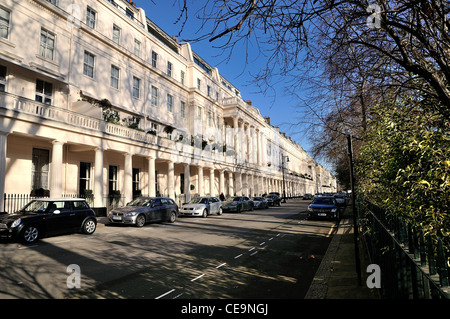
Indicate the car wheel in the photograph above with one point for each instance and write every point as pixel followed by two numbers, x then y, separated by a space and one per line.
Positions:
pixel 140 220
pixel 89 226
pixel 172 217
pixel 220 211
pixel 205 213
pixel 30 234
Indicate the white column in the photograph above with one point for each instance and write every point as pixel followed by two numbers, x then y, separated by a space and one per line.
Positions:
pixel 222 182
pixel 3 143
pixel 230 183
pixel 98 178
pixel 254 146
pixel 263 150
pixel 201 188
pixel 244 144
pixel 128 178
pixel 238 189
pixel 171 179
pixel 211 182
pixel 258 148
pixel 151 177
pixel 250 143
pixel 56 169
pixel 237 139
pixel 246 185
pixel 187 183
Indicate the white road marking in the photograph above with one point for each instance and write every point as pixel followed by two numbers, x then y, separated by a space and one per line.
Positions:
pixel 178 295
pixel 62 241
pixel 24 247
pixel 165 294
pixel 331 230
pixel 198 277
pixel 236 257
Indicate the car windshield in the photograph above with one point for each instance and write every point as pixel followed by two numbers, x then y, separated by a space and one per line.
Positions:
pixel 258 198
pixel 323 200
pixel 237 199
pixel 35 207
pixel 140 201
pixel 198 200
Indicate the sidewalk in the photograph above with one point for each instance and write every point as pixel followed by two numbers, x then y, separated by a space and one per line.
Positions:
pixel 336 277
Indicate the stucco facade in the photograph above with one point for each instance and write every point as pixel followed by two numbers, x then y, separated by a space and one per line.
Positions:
pixel 96 99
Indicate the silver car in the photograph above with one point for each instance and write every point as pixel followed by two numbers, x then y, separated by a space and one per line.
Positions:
pixel 202 206
pixel 145 209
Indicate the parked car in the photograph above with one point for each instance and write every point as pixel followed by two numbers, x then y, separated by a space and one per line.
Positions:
pixel 275 193
pixel 47 217
pixel 341 200
pixel 145 209
pixel 324 207
pixel 260 203
pixel 307 196
pixel 202 206
pixel 273 200
pixel 238 204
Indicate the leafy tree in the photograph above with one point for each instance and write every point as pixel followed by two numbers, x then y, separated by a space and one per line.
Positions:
pixel 404 163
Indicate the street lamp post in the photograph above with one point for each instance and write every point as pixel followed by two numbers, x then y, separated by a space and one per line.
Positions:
pixel 282 171
pixel 355 222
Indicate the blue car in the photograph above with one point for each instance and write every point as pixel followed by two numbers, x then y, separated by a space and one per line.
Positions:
pixel 324 207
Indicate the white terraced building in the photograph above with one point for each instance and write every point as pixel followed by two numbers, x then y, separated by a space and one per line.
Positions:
pixel 96 100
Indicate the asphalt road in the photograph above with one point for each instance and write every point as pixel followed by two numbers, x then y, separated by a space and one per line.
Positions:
pixel 263 254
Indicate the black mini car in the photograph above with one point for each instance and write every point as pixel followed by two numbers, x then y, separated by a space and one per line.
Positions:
pixel 48 217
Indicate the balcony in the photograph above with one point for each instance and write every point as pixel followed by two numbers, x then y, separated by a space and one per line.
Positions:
pixel 55 116
pixel 20 108
pixel 240 104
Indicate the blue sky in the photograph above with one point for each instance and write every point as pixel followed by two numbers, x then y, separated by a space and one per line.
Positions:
pixel 281 108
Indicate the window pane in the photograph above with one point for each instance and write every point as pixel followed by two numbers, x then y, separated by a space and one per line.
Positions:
pixel 116 34
pixel 88 66
pixel 4 23
pixel 90 17
pixel 136 87
pixel 114 77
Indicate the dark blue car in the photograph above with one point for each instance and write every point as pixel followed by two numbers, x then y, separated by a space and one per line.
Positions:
pixel 324 207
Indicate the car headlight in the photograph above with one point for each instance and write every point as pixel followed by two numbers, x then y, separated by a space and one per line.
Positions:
pixel 334 210
pixel 16 223
pixel 310 209
pixel 130 214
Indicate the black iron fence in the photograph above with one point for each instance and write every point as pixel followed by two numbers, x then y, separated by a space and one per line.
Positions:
pixel 413 264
